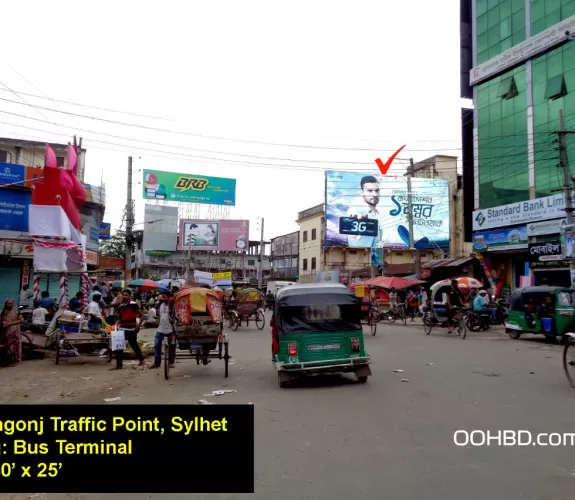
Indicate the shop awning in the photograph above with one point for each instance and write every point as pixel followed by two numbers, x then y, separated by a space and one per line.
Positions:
pixel 432 264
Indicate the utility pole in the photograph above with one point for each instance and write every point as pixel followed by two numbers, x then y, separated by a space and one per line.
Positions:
pixel 415 252
pixel 129 224
pixel 567 188
pixel 260 267
pixel 190 242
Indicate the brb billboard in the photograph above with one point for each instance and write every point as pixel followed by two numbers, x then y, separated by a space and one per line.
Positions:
pixel 370 211
pixel 189 188
pixel 224 235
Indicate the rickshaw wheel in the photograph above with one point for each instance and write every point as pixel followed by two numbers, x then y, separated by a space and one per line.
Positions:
pixel 57 360
pixel 462 328
pixel 427 324
pixel 236 322
pixel 373 326
pixel 260 320
pixel 362 380
pixel 230 319
pixel 226 360
pixel 166 361
pixel 391 317
pixel 569 364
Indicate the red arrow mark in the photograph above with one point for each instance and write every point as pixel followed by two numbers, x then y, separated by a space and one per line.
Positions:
pixel 384 167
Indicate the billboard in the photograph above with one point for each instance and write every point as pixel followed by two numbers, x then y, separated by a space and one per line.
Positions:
pixel 105 230
pixel 224 235
pixel 189 188
pixel 160 228
pixel 504 239
pixel 14 210
pixel 370 211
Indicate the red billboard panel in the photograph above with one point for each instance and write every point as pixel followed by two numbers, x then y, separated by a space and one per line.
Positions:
pixel 223 235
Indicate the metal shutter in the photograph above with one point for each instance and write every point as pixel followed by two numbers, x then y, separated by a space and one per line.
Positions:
pixel 10 282
pixel 51 283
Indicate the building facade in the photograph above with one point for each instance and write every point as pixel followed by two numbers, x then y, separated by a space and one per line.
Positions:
pixel 285 256
pixel 518 66
pixel 311 256
pixel 20 163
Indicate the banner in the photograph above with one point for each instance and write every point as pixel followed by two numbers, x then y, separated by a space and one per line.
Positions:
pixel 203 277
pixel 505 239
pixel 222 276
pixel 111 263
pixel 14 210
pixel 544 252
pixel 105 231
pixel 328 277
pixel 524 212
pixel 568 241
pixel 171 186
pixel 546 227
pixel 222 235
pixel 12 173
pixel 367 211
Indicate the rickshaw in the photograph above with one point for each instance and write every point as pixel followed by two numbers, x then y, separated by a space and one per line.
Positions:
pixel 248 306
pixel 525 312
pixel 436 312
pixel 198 329
pixel 369 313
pixel 317 328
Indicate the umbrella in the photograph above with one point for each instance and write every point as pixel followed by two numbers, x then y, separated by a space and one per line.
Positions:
pixel 464 282
pixel 390 282
pixel 147 285
pixel 119 284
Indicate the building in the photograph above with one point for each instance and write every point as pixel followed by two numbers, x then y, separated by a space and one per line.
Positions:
pixel 285 256
pixel 518 66
pixel 445 167
pixel 311 255
pixel 20 163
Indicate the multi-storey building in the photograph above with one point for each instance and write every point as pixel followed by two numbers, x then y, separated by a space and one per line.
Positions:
pixel 285 255
pixel 518 66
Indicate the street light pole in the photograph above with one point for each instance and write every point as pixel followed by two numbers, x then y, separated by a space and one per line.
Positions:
pixel 129 224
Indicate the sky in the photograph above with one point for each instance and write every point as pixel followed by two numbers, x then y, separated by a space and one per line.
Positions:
pixel 284 90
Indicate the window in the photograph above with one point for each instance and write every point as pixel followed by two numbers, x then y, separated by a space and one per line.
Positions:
pixel 329 312
pixel 60 161
pixel 312 263
pixel 3 156
pixel 555 88
pixel 507 88
pixel 313 234
pixel 305 264
pixel 222 261
pixel 251 262
pixel 304 236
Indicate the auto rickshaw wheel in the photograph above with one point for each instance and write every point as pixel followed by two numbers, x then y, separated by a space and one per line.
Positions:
pixel 362 380
pixel 236 322
pixel 569 364
pixel 513 334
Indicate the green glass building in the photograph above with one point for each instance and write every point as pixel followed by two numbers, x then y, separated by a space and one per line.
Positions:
pixel 520 64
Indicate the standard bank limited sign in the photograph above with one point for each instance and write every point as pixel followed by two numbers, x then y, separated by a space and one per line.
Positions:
pixel 550 207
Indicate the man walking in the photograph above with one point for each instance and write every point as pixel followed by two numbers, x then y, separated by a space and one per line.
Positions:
pixel 129 312
pixel 165 328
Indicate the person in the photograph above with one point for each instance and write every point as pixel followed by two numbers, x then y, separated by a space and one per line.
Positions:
pixel 423 300
pixel 25 295
pixel 472 296
pixel 94 312
pixel 152 317
pixel 370 193
pixel 393 299
pixel 129 312
pixel 38 319
pixel 165 328
pixel 11 320
pixel 270 299
pixel 529 310
pixel 96 289
pixel 76 302
pixel 547 309
pixel 412 303
pixel 454 300
pixel 47 302
pixel 105 291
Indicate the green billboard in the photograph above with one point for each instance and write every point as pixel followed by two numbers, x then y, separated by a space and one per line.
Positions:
pixel 189 188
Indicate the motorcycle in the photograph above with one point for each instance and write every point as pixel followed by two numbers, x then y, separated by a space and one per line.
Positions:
pixel 483 320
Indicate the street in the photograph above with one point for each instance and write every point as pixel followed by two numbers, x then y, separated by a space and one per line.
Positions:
pixel 332 438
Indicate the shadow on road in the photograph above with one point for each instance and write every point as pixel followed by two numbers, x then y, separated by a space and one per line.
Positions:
pixel 322 381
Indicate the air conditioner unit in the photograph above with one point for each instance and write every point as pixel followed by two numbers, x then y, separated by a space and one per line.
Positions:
pixel 153 259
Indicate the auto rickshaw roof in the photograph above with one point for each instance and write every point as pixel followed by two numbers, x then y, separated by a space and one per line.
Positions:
pixel 325 293
pixel 539 289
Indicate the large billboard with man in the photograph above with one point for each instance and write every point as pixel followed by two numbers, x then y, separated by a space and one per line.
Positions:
pixel 370 211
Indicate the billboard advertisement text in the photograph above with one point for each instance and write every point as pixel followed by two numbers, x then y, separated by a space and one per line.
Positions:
pixel 189 188
pixel 224 235
pixel 370 211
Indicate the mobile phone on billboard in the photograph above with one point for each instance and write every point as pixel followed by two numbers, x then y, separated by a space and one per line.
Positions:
pixel 358 227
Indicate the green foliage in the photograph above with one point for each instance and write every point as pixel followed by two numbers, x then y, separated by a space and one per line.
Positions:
pixel 115 246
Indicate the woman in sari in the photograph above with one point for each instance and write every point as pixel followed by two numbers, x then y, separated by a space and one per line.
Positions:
pixel 11 319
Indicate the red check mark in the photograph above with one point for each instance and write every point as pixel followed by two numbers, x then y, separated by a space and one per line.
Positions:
pixel 384 167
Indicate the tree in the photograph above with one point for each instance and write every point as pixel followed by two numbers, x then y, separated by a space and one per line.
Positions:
pixel 115 246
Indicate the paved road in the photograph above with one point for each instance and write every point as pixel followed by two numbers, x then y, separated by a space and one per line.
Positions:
pixel 332 438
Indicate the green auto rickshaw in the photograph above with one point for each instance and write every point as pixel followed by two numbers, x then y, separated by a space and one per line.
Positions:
pixel 545 310
pixel 317 328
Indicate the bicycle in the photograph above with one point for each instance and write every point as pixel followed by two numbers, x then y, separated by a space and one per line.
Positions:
pixel 372 319
pixel 459 321
pixel 397 312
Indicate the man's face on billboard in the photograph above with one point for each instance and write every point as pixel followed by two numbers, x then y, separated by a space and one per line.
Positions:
pixel 370 193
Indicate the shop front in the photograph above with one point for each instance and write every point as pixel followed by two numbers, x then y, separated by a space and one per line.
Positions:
pixel 503 253
pixel 547 264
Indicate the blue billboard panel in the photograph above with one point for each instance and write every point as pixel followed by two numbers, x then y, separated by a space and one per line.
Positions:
pixel 105 230
pixel 380 202
pixel 10 173
pixel 14 210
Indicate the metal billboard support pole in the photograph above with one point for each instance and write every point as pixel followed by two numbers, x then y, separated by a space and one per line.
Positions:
pixel 260 267
pixel 129 224
pixel 415 252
